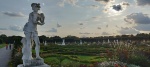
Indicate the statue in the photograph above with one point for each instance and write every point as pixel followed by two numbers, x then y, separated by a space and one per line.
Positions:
pixel 31 34
pixel 63 43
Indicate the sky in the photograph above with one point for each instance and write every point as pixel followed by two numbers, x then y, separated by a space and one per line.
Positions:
pixel 82 18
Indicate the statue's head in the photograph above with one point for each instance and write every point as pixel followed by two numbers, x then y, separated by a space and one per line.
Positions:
pixel 35 6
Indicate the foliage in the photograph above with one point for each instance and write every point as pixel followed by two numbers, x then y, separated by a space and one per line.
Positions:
pixel 115 64
pixel 140 60
pixel 16 57
pixel 76 49
pixel 2 45
pixel 132 54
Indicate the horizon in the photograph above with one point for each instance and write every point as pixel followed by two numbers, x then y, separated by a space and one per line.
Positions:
pixel 81 18
pixel 89 37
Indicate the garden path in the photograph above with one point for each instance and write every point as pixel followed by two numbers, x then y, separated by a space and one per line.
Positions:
pixel 5 56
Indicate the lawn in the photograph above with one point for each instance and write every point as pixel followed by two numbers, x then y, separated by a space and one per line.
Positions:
pixel 2 45
pixel 91 58
pixel 80 59
pixel 89 55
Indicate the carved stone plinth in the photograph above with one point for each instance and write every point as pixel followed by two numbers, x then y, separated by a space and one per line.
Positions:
pixel 45 65
pixel 35 63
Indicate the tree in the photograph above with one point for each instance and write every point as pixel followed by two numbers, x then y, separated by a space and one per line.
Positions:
pixel 4 38
pixel 71 38
pixel 56 39
pixel 42 38
pixel 1 41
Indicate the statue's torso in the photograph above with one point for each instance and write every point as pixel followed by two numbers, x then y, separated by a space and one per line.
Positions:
pixel 30 26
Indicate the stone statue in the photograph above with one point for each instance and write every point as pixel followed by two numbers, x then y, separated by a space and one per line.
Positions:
pixel 31 34
pixel 63 43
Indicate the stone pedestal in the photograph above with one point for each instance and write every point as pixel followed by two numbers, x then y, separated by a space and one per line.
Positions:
pixel 45 65
pixel 35 63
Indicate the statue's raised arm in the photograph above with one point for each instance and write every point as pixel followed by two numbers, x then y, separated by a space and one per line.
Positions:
pixel 41 19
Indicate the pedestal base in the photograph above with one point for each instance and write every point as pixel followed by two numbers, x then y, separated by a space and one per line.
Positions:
pixel 34 63
pixel 45 65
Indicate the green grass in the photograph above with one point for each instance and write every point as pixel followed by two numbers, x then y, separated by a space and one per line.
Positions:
pixel 2 45
pixel 91 58
pixel 33 51
pixel 66 61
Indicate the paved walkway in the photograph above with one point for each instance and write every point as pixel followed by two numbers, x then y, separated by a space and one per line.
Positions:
pixel 5 56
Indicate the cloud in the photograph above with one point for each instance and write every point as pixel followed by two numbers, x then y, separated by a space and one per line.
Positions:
pixel 71 2
pixel 96 18
pixel 143 2
pixel 143 27
pixel 80 23
pixel 121 6
pixel 94 6
pixel 116 26
pixel 137 18
pixel 83 36
pixel 98 27
pixel 104 1
pixel 61 4
pixel 125 3
pixel 58 25
pixel 127 30
pixel 1 32
pixel 117 7
pixel 82 27
pixel 43 4
pixel 15 28
pixel 107 26
pixel 52 30
pixel 105 33
pixel 86 33
pixel 3 28
pixel 14 14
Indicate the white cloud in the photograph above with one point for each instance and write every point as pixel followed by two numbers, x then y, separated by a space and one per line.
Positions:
pixel 61 4
pixel 105 33
pixel 98 27
pixel 143 27
pixel 127 30
pixel 94 6
pixel 96 18
pixel 139 21
pixel 14 14
pixel 43 4
pixel 71 2
pixel 80 23
pixel 52 30
pixel 86 33
pixel 115 9
pixel 1 32
pixel 3 28
pixel 107 26
pixel 116 26
pixel 58 25
pixel 104 1
pixel 15 28
pixel 137 18
pixel 143 2
pixel 82 27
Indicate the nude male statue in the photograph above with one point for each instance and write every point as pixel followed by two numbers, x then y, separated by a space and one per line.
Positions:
pixel 30 31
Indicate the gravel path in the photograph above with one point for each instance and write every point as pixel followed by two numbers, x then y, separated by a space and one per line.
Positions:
pixel 5 56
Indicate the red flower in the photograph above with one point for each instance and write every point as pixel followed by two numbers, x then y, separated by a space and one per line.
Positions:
pixel 116 65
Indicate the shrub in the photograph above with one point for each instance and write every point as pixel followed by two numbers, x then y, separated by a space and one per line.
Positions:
pixel 140 60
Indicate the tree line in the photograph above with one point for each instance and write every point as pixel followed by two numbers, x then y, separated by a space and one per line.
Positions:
pixel 69 38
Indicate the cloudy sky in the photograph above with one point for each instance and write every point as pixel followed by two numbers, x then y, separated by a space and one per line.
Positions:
pixel 82 18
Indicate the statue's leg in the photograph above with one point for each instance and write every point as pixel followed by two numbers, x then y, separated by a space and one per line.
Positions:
pixel 37 47
pixel 28 46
